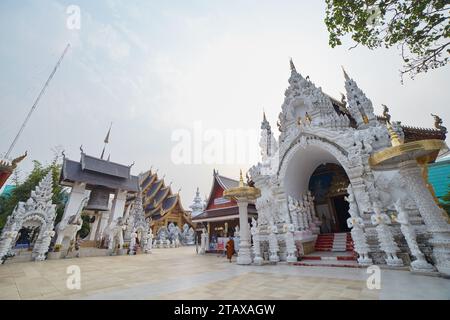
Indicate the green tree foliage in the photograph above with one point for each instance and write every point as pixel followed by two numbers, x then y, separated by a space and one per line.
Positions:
pixel 85 227
pixel 23 191
pixel 419 28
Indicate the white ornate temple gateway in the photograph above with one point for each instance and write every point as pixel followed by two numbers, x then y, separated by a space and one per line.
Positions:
pixel 37 213
pixel 337 167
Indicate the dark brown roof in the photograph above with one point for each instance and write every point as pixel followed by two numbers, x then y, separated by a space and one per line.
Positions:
pixel 416 133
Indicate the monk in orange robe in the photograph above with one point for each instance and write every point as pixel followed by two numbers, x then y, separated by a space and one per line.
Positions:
pixel 230 249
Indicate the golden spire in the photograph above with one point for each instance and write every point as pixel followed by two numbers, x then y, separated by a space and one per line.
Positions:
pixel 395 139
pixel 241 179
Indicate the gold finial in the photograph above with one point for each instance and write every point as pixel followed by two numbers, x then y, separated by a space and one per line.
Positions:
pixel 395 140
pixel 241 179
pixel 365 119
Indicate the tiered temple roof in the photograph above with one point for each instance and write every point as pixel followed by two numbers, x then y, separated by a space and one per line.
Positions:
pixel 160 203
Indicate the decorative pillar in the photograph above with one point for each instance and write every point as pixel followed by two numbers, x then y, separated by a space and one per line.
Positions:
pixel 308 212
pixel 41 249
pixel 77 195
pixel 420 264
pixel 244 254
pixel 258 259
pixel 273 244
pixel 359 240
pixel 149 243
pixel 118 205
pixel 293 212
pixel 103 217
pixel 132 245
pixel 94 226
pixel 432 215
pixel 316 219
pixel 387 243
pixel 301 221
pixel 290 244
pixel 203 241
pixel 356 224
pixel 243 194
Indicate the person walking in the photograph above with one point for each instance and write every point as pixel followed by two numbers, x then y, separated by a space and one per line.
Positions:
pixel 230 249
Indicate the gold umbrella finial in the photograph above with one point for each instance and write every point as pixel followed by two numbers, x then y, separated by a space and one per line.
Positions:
pixel 241 179
pixel 395 139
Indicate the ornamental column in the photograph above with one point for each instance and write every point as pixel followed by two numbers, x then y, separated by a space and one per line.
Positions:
pixel 405 156
pixel 94 227
pixel 118 206
pixel 243 194
pixel 244 255
pixel 432 215
pixel 420 264
pixel 77 195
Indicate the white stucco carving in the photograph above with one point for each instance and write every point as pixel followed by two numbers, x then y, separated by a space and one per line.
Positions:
pixel 37 211
pixel 314 130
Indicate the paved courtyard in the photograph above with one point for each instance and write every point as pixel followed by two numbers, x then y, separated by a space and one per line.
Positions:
pixel 181 274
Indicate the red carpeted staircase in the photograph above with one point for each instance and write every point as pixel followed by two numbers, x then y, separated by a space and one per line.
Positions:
pixel 332 250
pixel 334 242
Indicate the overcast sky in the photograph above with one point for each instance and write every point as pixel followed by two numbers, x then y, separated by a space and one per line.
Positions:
pixel 154 67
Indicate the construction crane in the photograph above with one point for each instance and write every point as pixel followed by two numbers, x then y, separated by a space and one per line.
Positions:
pixel 33 107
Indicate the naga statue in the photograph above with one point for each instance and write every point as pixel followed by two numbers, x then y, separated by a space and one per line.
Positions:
pixel 386 113
pixel 438 123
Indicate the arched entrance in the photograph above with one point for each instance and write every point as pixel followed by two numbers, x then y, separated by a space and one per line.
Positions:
pixel 319 166
pixel 328 184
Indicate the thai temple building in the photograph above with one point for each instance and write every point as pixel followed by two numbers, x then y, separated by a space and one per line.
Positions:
pixel 220 216
pixel 99 189
pixel 343 183
pixel 161 205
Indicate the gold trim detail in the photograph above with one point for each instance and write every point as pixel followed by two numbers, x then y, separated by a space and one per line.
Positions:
pixel 242 191
pixel 428 146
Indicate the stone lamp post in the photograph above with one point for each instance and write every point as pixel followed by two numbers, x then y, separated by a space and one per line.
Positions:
pixel 407 157
pixel 243 194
